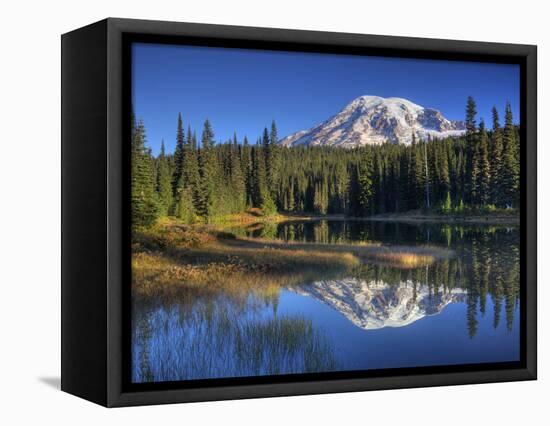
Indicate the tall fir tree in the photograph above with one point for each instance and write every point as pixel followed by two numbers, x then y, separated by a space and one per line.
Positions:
pixel 378 182
pixel 426 174
pixel 164 182
pixel 365 184
pixel 495 153
pixel 179 154
pixel 471 122
pixel 237 180
pixel 484 167
pixel 191 175
pixel 266 150
pixel 416 175
pixel 260 193
pixel 320 197
pixel 273 160
pixel 208 169
pixel 246 164
pixel 445 179
pixel 405 198
pixel 144 204
pixel 472 155
pixel 510 167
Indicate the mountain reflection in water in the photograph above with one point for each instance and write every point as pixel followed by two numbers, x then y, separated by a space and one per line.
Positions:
pixel 459 310
pixel 375 305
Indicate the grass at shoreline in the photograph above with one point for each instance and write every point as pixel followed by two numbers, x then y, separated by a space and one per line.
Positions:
pixel 406 256
pixel 251 216
pixel 215 268
pixel 203 259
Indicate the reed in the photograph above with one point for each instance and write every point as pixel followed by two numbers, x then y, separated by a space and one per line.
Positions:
pixel 215 340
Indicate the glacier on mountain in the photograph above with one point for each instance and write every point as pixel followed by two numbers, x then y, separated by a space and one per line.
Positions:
pixel 373 120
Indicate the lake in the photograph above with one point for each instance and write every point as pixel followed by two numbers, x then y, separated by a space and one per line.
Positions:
pixel 459 310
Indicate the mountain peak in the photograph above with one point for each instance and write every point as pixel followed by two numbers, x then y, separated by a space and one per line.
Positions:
pixel 374 120
pixel 370 101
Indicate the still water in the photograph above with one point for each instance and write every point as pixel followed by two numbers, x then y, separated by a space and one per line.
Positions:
pixel 459 310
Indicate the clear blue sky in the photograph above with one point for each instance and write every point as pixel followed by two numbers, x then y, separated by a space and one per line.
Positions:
pixel 244 90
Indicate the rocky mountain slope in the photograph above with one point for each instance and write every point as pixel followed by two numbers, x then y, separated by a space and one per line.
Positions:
pixel 372 120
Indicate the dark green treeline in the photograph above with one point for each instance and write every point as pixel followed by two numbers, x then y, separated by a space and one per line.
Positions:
pixel 198 182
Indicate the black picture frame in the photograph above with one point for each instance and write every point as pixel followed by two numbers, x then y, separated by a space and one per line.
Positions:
pixel 96 225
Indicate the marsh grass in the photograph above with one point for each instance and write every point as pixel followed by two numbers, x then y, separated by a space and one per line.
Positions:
pixel 216 340
pixel 398 256
pixel 200 260
pixel 251 215
pixel 155 275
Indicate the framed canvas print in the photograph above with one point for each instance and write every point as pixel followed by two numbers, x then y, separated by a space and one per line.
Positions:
pixel 252 212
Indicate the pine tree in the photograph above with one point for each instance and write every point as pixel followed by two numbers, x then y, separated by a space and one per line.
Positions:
pixel 246 164
pixel 416 176
pixel 261 195
pixel 484 167
pixel 471 124
pixel 237 180
pixel 320 197
pixel 273 160
pixel 163 184
pixel 266 149
pixel 378 182
pixel 510 168
pixel 191 175
pixel 185 209
pixel 144 197
pixel 179 154
pixel 459 175
pixel 472 154
pixel 473 188
pixel 268 206
pixel 405 197
pixel 341 187
pixel 365 184
pixel 495 153
pixel 208 169
pixel 426 173
pixel 445 179
pixel 289 195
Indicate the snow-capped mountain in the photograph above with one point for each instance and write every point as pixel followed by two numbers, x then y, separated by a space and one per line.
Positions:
pixel 374 305
pixel 372 120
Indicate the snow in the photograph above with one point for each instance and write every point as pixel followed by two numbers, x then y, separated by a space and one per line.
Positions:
pixel 373 305
pixel 373 120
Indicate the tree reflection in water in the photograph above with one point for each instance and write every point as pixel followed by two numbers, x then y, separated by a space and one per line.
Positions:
pixel 222 336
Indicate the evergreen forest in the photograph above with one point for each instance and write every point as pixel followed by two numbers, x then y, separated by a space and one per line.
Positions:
pixel 204 179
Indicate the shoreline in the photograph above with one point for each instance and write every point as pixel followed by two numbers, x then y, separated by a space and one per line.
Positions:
pixel 473 219
pixel 172 257
pixel 497 219
pixel 257 218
